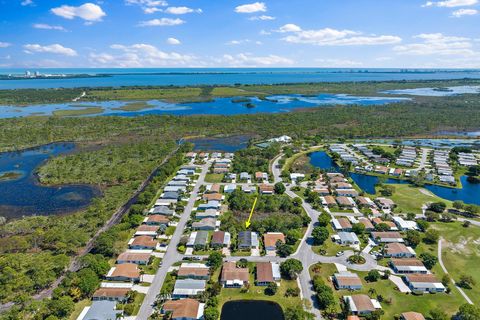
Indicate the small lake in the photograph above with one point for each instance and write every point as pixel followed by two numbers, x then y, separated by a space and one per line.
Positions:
pixel 470 193
pixel 219 106
pixel 251 310
pixel 223 144
pixel 22 195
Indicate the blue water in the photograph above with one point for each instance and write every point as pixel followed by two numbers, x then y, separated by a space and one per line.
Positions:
pixel 220 106
pixel 228 76
pixel 227 144
pixel 470 193
pixel 433 92
pixel 24 196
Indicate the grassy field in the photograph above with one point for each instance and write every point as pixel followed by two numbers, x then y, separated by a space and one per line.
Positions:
pixel 78 112
pixel 169 94
pixel 410 199
pixel 397 302
pixel 79 306
pixel 214 177
pixel 461 253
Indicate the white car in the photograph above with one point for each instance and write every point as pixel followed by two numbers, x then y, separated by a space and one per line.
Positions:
pixel 340 253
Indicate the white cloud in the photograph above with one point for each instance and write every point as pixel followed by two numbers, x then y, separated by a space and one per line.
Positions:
pixel 290 27
pixel 27 3
pixel 163 22
pixel 451 3
pixel 48 27
pixel 252 7
pixel 4 44
pixel 148 6
pixel 173 41
pixel 182 10
pixel 87 11
pixel 337 63
pixel 53 48
pixel 242 41
pixel 249 60
pixel 464 12
pixel 139 55
pixel 265 33
pixel 333 37
pixel 437 44
pixel 262 17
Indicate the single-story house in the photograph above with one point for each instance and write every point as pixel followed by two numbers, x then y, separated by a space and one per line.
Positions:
pixel 347 281
pixel 405 224
pixel 101 310
pixel 185 288
pixel 261 176
pixel 124 272
pixel 408 265
pixel 143 242
pixel 266 189
pixel 398 250
pixel 348 238
pixel 329 201
pixel 210 205
pixel 365 202
pixel 385 204
pixel 175 189
pixel 267 272
pixel 229 188
pixel 170 195
pixel 342 224
pixel 270 240
pixel 213 188
pixel 411 316
pixel 209 213
pixel 248 189
pixel 424 283
pixel 134 257
pixel 387 237
pixel 361 304
pixel 147 230
pixel 391 224
pixel 233 277
pixel 184 309
pixel 198 239
pixel 347 193
pixel 245 176
pixel 156 220
pixel 162 210
pixel 345 202
pixel 368 225
pixel 181 177
pixel 193 271
pixel 177 183
pixel 297 176
pixel 247 240
pixel 220 239
pixel 212 197
pixel 111 294
pixel 205 224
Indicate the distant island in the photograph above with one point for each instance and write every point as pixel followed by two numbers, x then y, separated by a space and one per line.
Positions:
pixel 37 75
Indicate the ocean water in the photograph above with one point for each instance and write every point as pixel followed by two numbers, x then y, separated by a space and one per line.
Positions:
pixel 226 76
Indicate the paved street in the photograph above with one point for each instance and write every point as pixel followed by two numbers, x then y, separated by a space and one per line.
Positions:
pixel 172 255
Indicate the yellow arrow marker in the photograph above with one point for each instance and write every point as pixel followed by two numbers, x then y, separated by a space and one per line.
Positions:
pixel 247 223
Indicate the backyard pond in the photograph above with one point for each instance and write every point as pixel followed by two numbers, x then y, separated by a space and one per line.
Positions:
pixel 251 310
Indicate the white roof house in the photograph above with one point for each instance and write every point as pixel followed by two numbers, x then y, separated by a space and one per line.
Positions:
pixel 188 287
pixel 405 224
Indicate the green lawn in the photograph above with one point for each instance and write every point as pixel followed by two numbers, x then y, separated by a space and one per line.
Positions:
pixel 257 293
pixel 214 177
pixel 329 246
pixel 410 199
pixel 135 106
pixel 461 253
pixel 79 306
pixel 394 301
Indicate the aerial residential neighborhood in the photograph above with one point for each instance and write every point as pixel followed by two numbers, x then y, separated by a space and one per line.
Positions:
pixel 239 160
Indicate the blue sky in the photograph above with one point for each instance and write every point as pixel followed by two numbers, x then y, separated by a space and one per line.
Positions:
pixel 227 33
